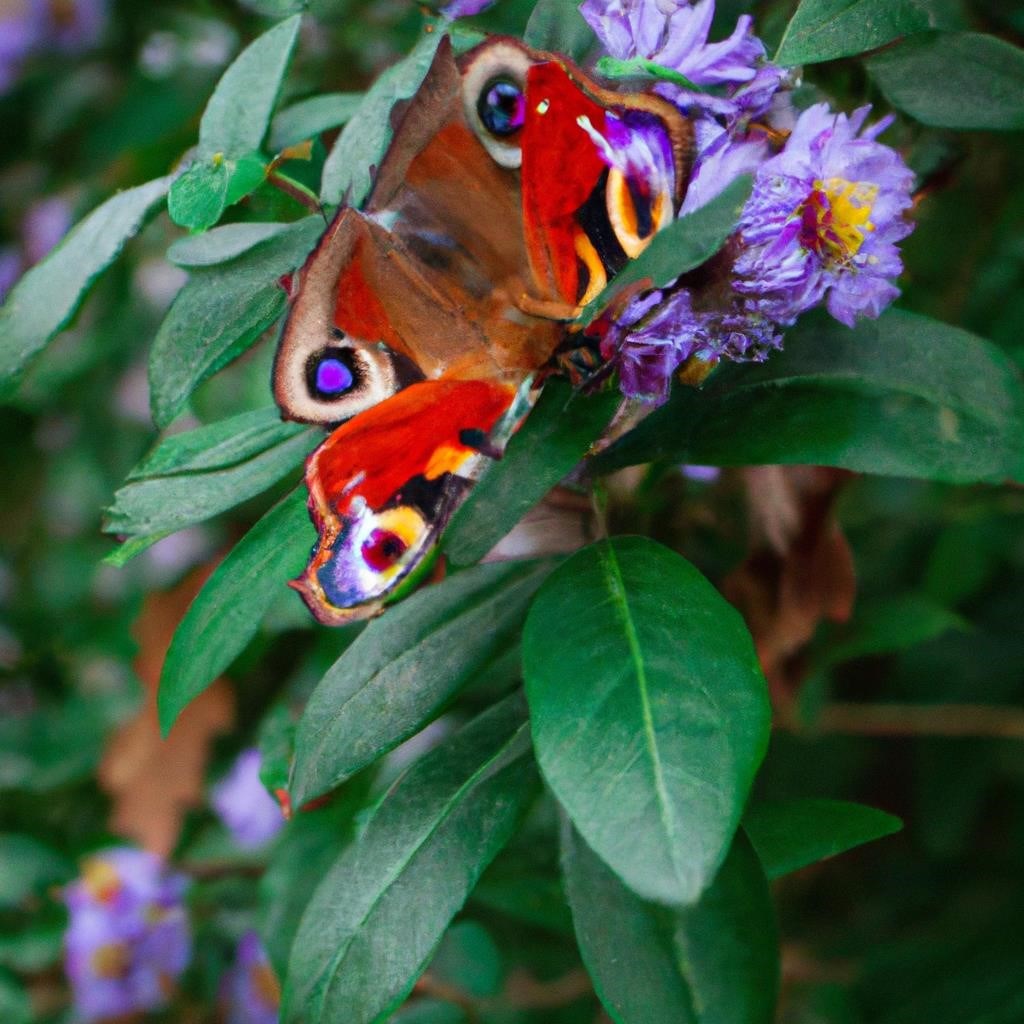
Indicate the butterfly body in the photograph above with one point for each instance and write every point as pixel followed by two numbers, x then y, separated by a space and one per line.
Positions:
pixel 421 320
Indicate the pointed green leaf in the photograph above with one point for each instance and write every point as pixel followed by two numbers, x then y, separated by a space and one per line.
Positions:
pixel 716 962
pixel 226 613
pixel 900 396
pixel 954 80
pixel 49 295
pixel 239 111
pixel 650 714
pixel 221 244
pixel 791 834
pixel 367 135
pixel 375 920
pixel 558 27
pixel 554 439
pixel 192 476
pixel 827 29
pixel 308 118
pixel 405 667
pixel 220 313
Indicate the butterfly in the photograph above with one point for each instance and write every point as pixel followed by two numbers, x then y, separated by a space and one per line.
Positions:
pixel 422 324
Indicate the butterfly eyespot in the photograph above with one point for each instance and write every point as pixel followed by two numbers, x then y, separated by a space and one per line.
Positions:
pixel 502 107
pixel 382 549
pixel 331 373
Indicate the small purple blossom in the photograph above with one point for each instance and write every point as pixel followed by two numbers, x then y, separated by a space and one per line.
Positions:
pixel 46 223
pixel 464 8
pixel 128 939
pixel 250 991
pixel 21 30
pixel 73 26
pixel 824 220
pixel 242 802
pixel 659 331
pixel 10 269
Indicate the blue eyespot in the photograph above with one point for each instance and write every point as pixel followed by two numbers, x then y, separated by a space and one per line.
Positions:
pixel 333 377
pixel 331 373
pixel 502 107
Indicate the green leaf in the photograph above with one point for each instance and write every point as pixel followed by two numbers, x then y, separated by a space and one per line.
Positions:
pixel 791 834
pixel 649 712
pixel 554 439
pixel 48 296
pixel 239 111
pixel 377 917
pixel 365 139
pixel 27 868
pixel 221 244
pixel 558 27
pixel 900 396
pixel 192 477
pixel 827 29
pixel 220 313
pixel 643 70
pixel 226 613
pixel 469 959
pixel 198 197
pixel 15 1006
pixel 714 963
pixel 301 857
pixel 683 246
pixel 891 624
pixel 308 118
pixel 404 667
pixel 954 80
pixel 247 174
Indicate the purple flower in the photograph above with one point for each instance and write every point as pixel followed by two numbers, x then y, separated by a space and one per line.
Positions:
pixel 75 25
pixel 824 220
pixel 46 223
pixel 21 28
pixel 464 8
pixel 659 331
pixel 128 939
pixel 720 162
pixel 10 269
pixel 250 991
pixel 242 802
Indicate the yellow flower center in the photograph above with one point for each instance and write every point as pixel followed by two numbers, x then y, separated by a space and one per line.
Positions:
pixel 101 880
pixel 835 218
pixel 111 961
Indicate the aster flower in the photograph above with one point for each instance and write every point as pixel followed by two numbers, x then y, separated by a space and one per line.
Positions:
pixel 242 802
pixel 127 940
pixel 824 220
pixel 251 992
pixel 464 8
pixel 660 330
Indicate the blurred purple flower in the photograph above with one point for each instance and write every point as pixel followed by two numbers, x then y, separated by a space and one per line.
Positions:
pixel 701 474
pixel 128 939
pixel 824 220
pixel 465 8
pixel 251 992
pixel 75 25
pixel 659 331
pixel 21 30
pixel 46 223
pixel 10 269
pixel 242 802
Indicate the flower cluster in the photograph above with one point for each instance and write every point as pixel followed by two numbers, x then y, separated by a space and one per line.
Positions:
pixel 821 227
pixel 242 802
pixel 128 939
pixel 28 27
pixel 250 991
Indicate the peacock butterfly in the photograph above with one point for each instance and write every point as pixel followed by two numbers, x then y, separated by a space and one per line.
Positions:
pixel 421 324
